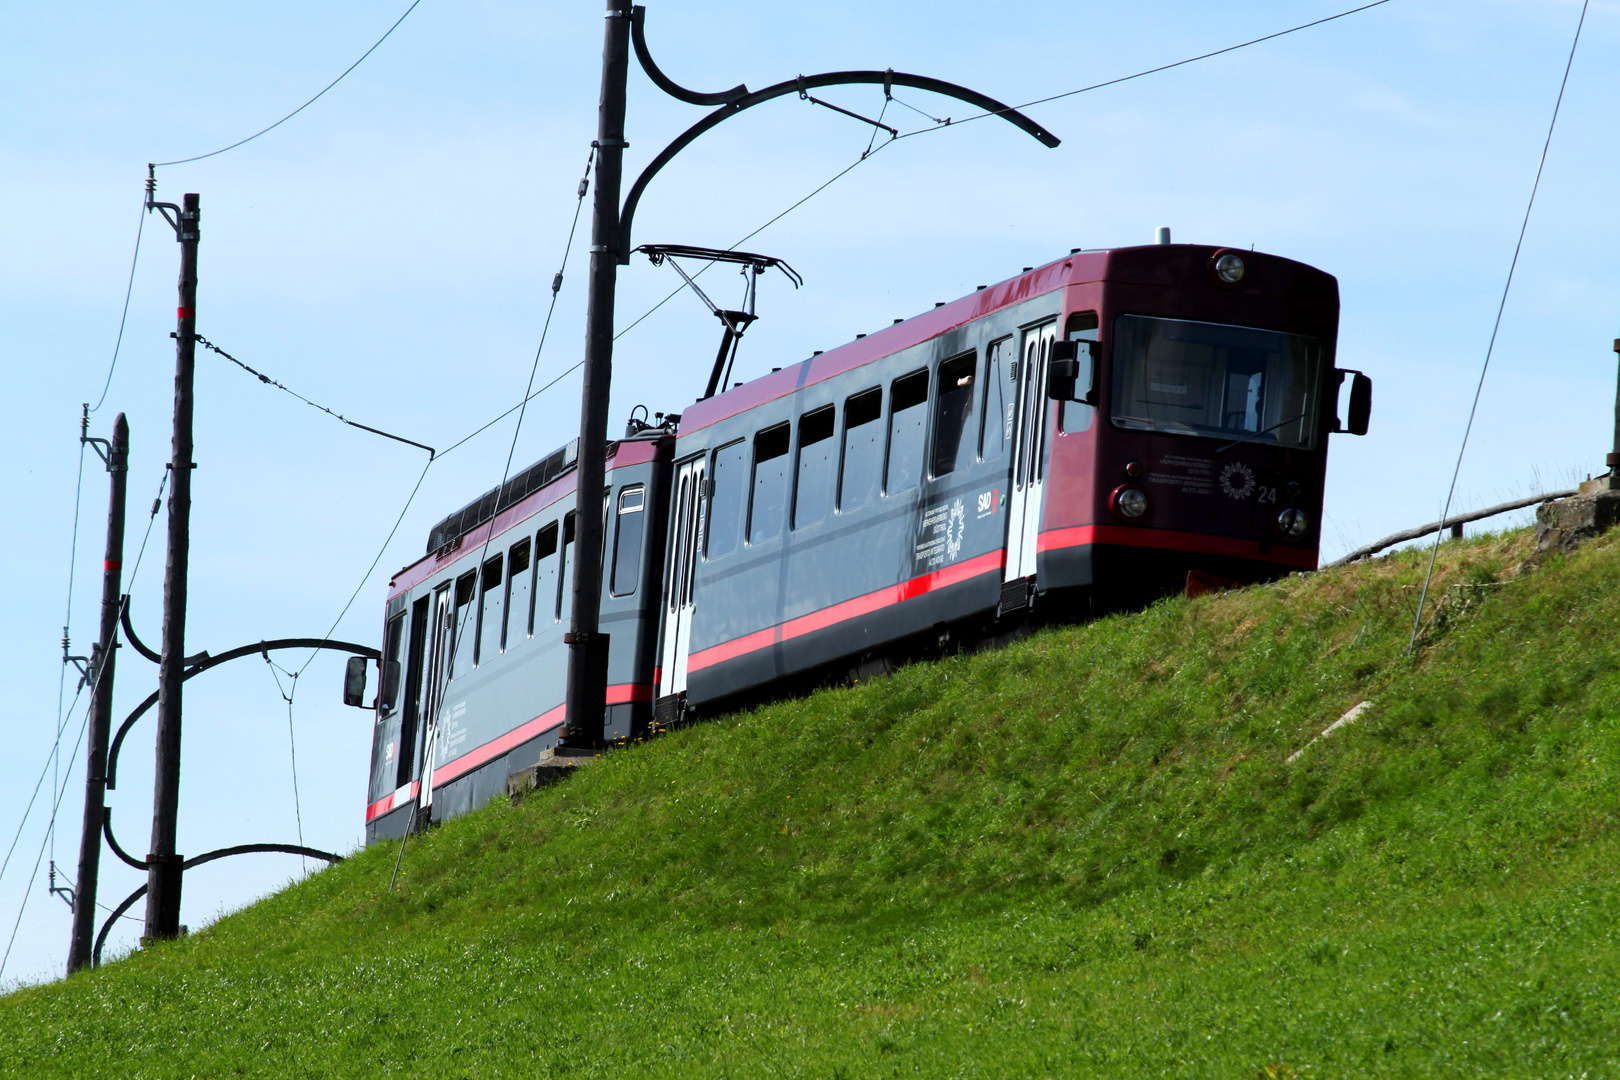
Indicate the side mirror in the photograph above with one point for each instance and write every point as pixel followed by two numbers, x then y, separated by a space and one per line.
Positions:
pixel 390 685
pixel 1062 370
pixel 1360 406
pixel 1066 369
pixel 354 682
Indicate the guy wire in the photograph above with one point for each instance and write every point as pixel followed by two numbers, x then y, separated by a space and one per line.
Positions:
pixel 1434 552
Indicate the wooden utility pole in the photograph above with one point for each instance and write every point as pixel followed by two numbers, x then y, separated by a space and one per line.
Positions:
pixel 101 696
pixel 587 645
pixel 164 865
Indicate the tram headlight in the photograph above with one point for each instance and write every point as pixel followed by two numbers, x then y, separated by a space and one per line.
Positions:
pixel 1292 523
pixel 1230 269
pixel 1129 502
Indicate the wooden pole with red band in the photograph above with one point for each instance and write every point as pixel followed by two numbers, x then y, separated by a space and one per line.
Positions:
pixel 101 691
pixel 164 865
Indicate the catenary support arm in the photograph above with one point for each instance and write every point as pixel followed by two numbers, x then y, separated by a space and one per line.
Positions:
pixel 207 662
pixel 806 82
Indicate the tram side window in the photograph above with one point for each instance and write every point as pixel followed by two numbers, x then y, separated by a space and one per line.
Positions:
pixel 908 431
pixel 464 626
pixel 812 491
pixel 952 409
pixel 543 599
pixel 769 501
pixel 414 667
pixel 863 450
pixel 1082 326
pixel 392 634
pixel 627 542
pixel 489 610
pixel 727 498
pixel 565 587
pixel 519 592
pixel 1000 394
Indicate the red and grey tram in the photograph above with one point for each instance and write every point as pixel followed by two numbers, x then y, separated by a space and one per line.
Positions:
pixel 1110 427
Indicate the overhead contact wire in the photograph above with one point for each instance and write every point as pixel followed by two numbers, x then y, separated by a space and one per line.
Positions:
pixel 301 108
pixel 124 317
pixel 823 187
pixel 426 766
pixel 1150 71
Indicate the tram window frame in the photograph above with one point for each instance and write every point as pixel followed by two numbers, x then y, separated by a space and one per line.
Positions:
pixel 518 551
pixel 545 547
pixel 912 389
pixel 466 591
pixel 734 456
pixel 631 570
pixel 489 581
pixel 816 478
pixel 393 632
pixel 1077 416
pixel 950 431
pixel 1000 363
pixel 416 665
pixel 565 594
pixel 861 410
pixel 769 483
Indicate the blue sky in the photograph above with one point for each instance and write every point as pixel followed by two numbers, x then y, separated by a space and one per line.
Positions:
pixel 389 252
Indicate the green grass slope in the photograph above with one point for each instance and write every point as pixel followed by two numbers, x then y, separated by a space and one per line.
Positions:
pixel 1082 855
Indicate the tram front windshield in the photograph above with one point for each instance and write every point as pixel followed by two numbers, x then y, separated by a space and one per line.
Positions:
pixel 1198 378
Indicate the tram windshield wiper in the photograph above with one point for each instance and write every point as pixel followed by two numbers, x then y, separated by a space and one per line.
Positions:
pixel 1267 431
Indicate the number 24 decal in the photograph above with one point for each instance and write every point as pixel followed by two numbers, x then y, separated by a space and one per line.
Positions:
pixel 1266 494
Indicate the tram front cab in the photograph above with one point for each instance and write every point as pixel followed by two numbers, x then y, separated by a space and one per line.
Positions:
pixel 1191 444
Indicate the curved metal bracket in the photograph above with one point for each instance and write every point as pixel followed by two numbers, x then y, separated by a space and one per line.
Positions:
pixel 106 927
pixel 805 82
pixel 141 646
pixel 106 830
pixel 240 849
pixel 664 82
pixel 207 662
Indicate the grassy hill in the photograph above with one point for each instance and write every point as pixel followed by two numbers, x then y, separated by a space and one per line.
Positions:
pixel 1082 855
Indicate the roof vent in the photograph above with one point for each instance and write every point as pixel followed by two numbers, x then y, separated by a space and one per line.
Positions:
pixel 1161 235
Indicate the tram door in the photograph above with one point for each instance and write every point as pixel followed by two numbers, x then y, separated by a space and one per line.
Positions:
pixel 1029 453
pixel 685 546
pixel 440 649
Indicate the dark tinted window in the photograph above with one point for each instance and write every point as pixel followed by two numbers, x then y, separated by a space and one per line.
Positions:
pixel 392 643
pixel 543 602
pixel 1082 326
pixel 463 626
pixel 952 408
pixel 728 498
pixel 770 484
pixel 1215 380
pixel 812 492
pixel 627 546
pixel 863 450
pixel 1000 392
pixel 908 431
pixel 489 610
pixel 565 585
pixel 519 594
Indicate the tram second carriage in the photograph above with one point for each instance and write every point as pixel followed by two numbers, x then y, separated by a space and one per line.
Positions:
pixel 1091 431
